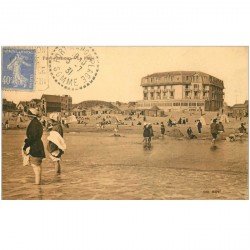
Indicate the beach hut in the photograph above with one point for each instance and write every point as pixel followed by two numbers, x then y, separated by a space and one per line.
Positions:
pixel 155 111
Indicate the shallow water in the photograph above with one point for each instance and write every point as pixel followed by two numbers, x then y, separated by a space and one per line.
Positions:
pixel 99 166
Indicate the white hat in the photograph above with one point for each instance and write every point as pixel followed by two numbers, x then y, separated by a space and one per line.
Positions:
pixel 33 112
pixel 54 116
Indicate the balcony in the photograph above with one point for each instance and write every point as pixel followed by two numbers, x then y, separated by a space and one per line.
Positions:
pixel 187 89
pixel 151 90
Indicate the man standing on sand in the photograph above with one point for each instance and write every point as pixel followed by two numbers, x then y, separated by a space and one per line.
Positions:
pixel 7 124
pixel 199 126
pixel 162 129
pixel 214 130
pixel 34 143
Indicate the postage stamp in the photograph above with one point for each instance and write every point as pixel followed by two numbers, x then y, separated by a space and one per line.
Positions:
pixel 18 69
pixel 73 68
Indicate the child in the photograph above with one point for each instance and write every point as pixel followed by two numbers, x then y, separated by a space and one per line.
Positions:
pixel 56 145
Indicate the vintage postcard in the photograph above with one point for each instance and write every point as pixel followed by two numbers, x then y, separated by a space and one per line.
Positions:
pixel 124 123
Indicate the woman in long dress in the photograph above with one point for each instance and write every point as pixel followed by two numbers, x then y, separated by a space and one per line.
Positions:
pixel 34 142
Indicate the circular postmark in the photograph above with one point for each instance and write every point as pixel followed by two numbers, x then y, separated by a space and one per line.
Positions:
pixel 73 68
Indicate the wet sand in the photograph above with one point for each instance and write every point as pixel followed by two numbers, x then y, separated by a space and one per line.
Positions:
pixel 98 165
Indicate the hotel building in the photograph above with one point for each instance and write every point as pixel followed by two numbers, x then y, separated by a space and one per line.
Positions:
pixel 179 90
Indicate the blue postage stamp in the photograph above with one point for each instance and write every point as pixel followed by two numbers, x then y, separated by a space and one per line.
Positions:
pixel 18 69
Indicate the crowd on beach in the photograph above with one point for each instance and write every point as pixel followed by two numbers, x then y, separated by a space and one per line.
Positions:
pixel 216 129
pixel 33 149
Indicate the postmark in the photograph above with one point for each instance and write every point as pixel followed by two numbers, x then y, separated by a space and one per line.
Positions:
pixel 18 69
pixel 73 68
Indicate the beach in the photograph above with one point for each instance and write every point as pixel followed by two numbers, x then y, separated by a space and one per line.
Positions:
pixel 99 165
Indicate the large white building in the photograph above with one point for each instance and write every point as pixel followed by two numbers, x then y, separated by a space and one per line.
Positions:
pixel 178 90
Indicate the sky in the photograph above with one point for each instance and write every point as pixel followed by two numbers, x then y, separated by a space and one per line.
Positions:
pixel 121 70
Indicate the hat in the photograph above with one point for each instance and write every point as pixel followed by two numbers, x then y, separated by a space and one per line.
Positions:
pixel 33 112
pixel 54 116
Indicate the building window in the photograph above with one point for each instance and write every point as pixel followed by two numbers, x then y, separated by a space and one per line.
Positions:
pixel 192 104
pixel 176 104
pixel 187 78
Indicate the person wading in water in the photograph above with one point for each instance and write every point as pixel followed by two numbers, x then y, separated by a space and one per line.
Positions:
pixel 214 130
pixel 34 142
pixel 56 145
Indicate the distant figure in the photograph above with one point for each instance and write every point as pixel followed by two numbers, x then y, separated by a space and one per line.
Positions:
pixel 162 129
pixel 190 133
pixel 151 132
pixel 34 142
pixel 144 118
pixel 221 127
pixel 199 126
pixel 146 136
pixel 221 130
pixel 44 123
pixel 214 130
pixel 179 121
pixel 116 130
pixel 7 124
pixel 170 123
pixel 242 128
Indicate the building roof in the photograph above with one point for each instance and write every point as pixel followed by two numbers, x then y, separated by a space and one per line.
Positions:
pixel 23 103
pixel 173 73
pixel 215 81
pixel 155 108
pixel 36 100
pixel 52 98
pixel 78 109
pixel 239 106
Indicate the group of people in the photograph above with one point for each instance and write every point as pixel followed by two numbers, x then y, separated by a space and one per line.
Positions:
pixel 33 148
